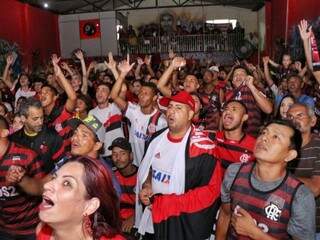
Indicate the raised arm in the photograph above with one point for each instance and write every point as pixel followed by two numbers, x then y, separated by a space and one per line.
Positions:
pixel 124 67
pixel 263 102
pixel 84 86
pixel 273 63
pixel 65 84
pixel 163 85
pixel 112 65
pixel 5 75
pixel 266 70
pixel 305 34
pixel 147 61
pixel 138 68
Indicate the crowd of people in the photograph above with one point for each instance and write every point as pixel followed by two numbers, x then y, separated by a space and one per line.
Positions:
pixel 174 151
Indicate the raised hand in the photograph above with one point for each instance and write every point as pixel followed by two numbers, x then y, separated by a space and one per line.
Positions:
pixel 249 81
pixel 147 59
pixel 9 59
pixel 140 61
pixel 124 66
pixel 92 65
pixel 178 62
pixel 55 60
pixel 112 64
pixel 79 54
pixel 266 60
pixel 64 65
pixel 298 65
pixel 171 54
pixel 305 31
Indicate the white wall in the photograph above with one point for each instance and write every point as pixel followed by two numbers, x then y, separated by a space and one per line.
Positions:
pixel 70 34
pixel 247 18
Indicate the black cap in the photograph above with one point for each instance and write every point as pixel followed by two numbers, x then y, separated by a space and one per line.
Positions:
pixel 121 143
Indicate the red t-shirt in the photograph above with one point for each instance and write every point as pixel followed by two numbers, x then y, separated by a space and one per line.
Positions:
pixel 46 232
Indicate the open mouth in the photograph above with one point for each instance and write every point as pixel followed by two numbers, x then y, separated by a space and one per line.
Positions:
pixel 227 119
pixel 47 203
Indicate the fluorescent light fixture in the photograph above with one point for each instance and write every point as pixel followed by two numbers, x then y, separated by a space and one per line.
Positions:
pixel 223 21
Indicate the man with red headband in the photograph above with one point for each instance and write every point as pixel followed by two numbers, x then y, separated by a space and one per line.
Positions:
pixel 178 179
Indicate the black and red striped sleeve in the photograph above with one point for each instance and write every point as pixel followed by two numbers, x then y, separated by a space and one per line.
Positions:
pixel 194 200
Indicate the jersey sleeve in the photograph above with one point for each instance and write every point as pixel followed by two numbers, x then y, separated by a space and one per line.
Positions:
pixel 302 221
pixel 227 182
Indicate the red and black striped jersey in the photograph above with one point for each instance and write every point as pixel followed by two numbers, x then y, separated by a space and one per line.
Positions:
pixel 270 209
pixel 128 196
pixel 230 151
pixel 18 211
pixel 243 94
pixel 58 119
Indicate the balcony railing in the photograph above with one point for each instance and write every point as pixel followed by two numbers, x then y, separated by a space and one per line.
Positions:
pixel 223 42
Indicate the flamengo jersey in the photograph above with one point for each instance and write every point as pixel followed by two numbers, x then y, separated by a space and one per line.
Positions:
pixel 142 127
pixel 18 211
pixel 58 119
pixel 111 118
pixel 128 196
pixel 271 210
pixel 244 95
pixel 197 207
pixel 230 151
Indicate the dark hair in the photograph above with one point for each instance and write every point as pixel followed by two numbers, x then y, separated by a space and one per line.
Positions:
pixel 98 183
pixel 29 102
pixel 53 89
pixel 87 100
pixel 236 101
pixel 4 123
pixel 295 139
pixel 241 67
pixel 108 85
pixel 150 85
pixel 294 75
pixel 278 115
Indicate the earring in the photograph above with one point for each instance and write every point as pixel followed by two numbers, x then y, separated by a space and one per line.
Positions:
pixel 87 224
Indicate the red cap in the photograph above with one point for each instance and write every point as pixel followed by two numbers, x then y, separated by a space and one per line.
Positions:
pixel 181 97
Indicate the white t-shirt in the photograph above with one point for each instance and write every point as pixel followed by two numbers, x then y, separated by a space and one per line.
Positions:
pixel 163 162
pixel 138 129
pixel 21 93
pixel 110 117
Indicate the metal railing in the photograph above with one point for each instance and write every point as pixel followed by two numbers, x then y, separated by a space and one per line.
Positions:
pixel 224 42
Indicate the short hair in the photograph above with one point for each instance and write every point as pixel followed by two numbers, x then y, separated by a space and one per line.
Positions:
pixel 53 89
pixel 29 102
pixel 295 139
pixel 150 85
pixel 294 75
pixel 241 67
pixel 236 101
pixel 310 110
pixel 4 123
pixel 108 85
pixel 87 100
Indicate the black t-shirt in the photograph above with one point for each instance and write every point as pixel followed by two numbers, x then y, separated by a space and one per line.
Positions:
pixel 48 144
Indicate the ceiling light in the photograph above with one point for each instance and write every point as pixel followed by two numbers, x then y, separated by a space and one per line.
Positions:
pixel 46 5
